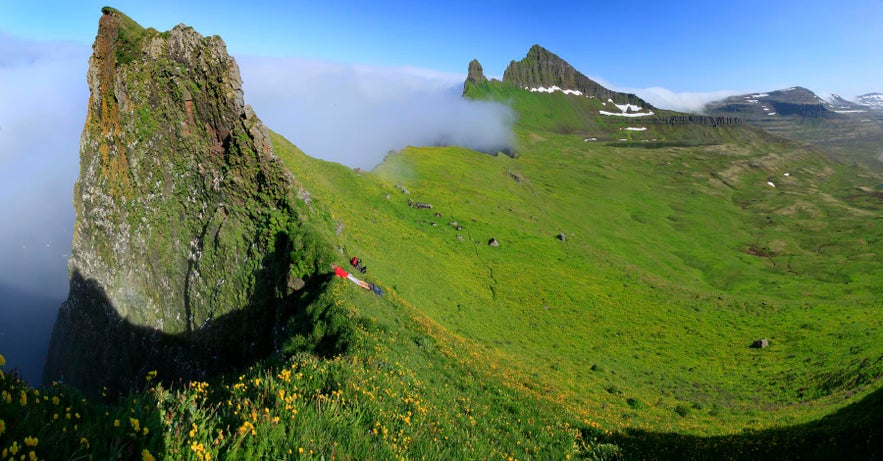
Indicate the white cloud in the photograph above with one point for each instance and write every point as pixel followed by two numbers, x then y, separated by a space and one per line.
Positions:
pixel 683 102
pixel 43 96
pixel 354 114
pixel 663 98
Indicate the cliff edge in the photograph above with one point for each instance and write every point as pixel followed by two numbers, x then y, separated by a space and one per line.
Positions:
pixel 189 236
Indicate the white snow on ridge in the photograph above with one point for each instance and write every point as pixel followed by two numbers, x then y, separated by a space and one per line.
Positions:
pixel 632 128
pixel 622 114
pixel 624 110
pixel 626 107
pixel 849 111
pixel 758 95
pixel 553 89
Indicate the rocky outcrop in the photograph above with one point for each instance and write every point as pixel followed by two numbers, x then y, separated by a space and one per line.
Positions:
pixel 475 75
pixel 188 230
pixel 689 119
pixel 543 69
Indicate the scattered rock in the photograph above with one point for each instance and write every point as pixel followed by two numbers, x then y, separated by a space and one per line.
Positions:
pixel 402 188
pixel 418 205
pixel 437 214
pixel 294 283
pixel 760 343
pixel 493 242
pixel 562 237
pixel 339 228
pixel 455 225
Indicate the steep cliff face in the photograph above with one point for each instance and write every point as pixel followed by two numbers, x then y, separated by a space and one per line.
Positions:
pixel 542 68
pixel 188 232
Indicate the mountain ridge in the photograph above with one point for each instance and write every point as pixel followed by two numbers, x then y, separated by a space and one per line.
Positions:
pixel 851 129
pixel 541 68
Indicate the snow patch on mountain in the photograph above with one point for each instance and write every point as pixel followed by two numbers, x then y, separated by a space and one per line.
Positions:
pixel 872 100
pixel 553 89
pixel 624 110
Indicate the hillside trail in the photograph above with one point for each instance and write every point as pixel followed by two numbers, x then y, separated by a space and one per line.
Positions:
pixel 472 241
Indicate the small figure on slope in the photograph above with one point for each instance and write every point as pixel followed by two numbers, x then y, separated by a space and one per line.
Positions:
pixel 357 263
pixel 338 271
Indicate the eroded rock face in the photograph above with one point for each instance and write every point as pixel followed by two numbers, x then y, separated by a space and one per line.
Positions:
pixel 185 220
pixel 542 68
pixel 475 76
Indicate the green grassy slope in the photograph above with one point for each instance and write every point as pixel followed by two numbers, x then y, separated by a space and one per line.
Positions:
pixel 677 258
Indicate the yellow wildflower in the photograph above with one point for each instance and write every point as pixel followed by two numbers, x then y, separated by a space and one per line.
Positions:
pixel 2 360
pixel 136 425
pixel 2 427
pixel 24 399
pixel 116 423
pixel 84 442
pixel 145 431
pixel 31 441
pixel 55 401
pixel 146 456
pixel 32 456
pixel 150 376
pixel 13 449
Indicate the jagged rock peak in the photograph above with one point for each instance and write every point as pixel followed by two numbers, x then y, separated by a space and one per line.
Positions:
pixel 476 73
pixel 181 208
pixel 543 69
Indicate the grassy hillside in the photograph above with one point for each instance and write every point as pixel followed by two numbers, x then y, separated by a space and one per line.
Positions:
pixel 665 267
pixel 628 339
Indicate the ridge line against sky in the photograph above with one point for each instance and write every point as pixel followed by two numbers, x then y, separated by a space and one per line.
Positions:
pixel 683 46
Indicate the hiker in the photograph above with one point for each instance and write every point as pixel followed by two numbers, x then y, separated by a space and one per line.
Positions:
pixel 357 263
pixel 338 271
pixel 346 275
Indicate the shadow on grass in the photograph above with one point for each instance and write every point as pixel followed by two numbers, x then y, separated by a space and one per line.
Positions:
pixel 855 432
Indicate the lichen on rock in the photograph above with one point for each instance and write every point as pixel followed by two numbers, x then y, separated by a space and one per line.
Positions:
pixel 184 216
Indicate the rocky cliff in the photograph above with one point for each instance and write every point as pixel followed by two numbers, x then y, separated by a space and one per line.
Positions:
pixel 542 68
pixel 475 75
pixel 189 235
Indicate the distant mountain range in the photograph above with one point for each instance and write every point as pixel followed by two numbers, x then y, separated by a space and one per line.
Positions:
pixel 872 100
pixel 851 128
pixel 796 101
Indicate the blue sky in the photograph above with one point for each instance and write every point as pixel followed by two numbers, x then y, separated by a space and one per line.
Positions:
pixel 683 46
pixel 347 81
